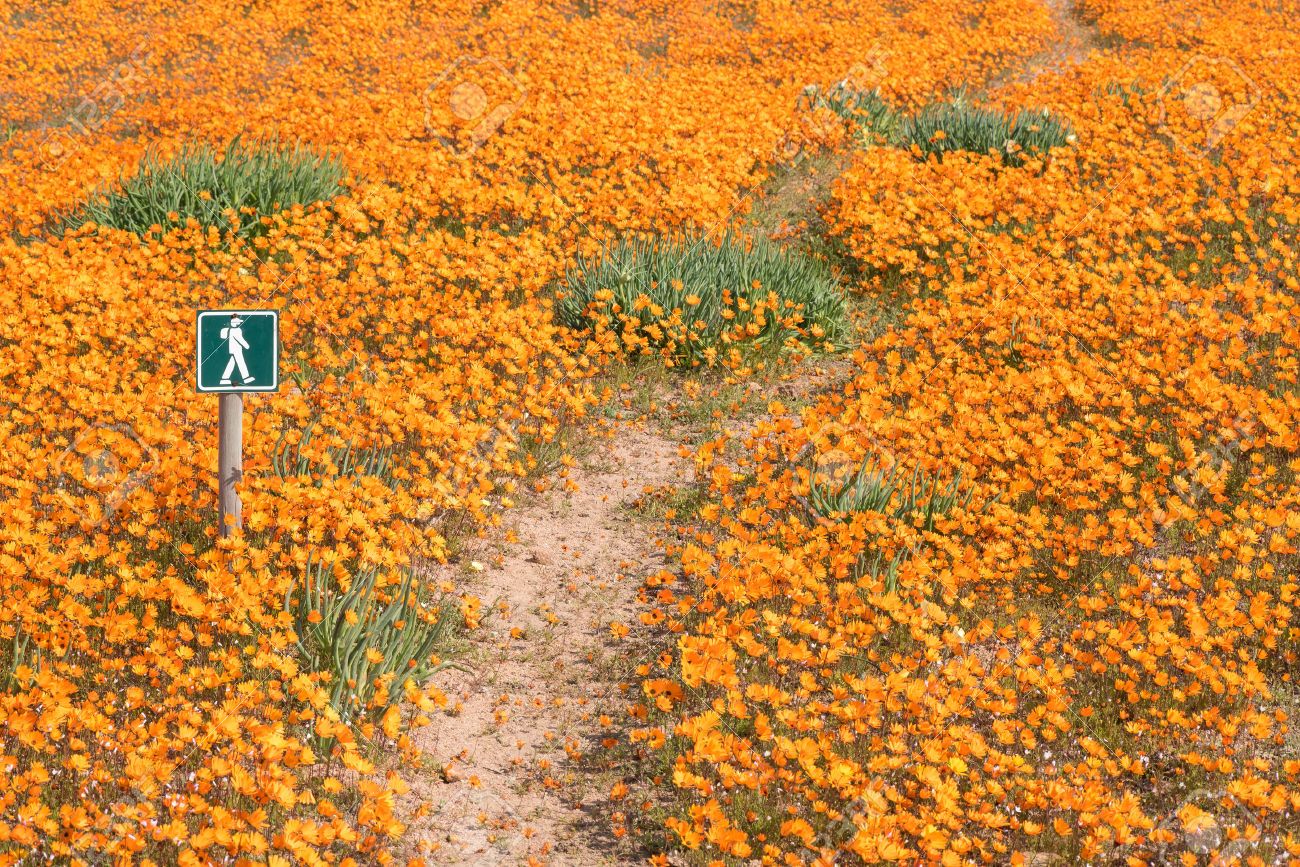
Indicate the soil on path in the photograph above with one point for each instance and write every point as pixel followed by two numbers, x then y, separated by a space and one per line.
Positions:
pixel 545 666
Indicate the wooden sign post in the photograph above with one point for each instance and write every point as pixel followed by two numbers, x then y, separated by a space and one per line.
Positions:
pixel 236 351
pixel 230 461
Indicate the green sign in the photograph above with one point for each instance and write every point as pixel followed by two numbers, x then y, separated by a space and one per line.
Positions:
pixel 237 350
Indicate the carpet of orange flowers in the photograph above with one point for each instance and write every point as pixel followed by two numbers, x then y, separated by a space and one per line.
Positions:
pixel 1095 657
pixel 1095 660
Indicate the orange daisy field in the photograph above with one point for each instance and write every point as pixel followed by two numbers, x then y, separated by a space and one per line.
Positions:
pixel 997 564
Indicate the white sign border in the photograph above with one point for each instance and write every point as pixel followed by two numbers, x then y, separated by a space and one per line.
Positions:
pixel 198 359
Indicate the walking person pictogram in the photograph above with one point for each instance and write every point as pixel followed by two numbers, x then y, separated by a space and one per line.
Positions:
pixel 236 343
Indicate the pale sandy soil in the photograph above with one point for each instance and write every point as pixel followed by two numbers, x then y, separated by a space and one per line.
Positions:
pixel 544 666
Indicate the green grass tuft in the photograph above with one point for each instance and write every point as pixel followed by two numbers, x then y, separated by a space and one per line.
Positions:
pixel 245 182
pixel 871 116
pixel 958 125
pixel 689 295
pixel 873 488
pixel 340 629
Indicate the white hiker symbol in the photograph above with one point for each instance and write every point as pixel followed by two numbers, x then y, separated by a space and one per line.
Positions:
pixel 235 342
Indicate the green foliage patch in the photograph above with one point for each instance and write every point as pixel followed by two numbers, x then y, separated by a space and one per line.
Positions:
pixel 369 637
pixel 721 289
pixel 230 190
pixel 958 125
